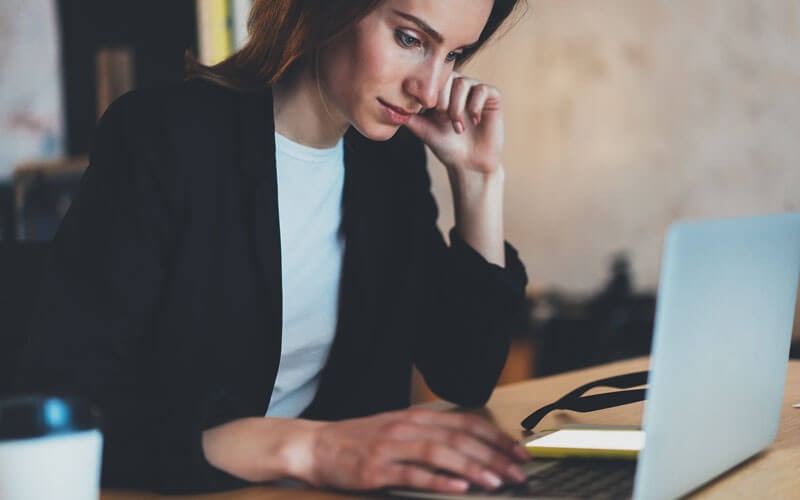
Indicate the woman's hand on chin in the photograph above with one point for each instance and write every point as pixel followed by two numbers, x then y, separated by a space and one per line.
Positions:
pixel 465 129
pixel 408 448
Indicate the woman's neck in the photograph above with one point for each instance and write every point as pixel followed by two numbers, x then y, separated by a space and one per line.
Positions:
pixel 304 115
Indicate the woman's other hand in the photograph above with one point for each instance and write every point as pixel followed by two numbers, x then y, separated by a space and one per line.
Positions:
pixel 465 129
pixel 408 448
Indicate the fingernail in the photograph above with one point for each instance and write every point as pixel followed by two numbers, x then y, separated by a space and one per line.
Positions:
pixel 516 473
pixel 459 127
pixel 459 485
pixel 492 480
pixel 475 121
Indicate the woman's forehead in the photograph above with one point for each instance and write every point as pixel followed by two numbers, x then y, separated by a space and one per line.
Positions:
pixel 459 22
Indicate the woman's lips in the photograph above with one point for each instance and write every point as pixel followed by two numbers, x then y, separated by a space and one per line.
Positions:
pixel 396 115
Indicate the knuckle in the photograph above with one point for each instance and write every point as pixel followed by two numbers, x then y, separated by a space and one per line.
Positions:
pixel 368 475
pixel 464 421
pixel 473 470
pixel 473 421
pixel 481 94
pixel 430 451
pixel 380 448
pixel 501 463
pixel 397 429
pixel 458 440
pixel 439 482
pixel 407 476
pixel 497 460
pixel 379 479
pixel 460 83
pixel 418 414
pixel 489 89
pixel 415 412
pixel 495 94
pixel 476 101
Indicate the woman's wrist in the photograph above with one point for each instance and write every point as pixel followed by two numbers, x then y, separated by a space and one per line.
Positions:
pixel 474 187
pixel 468 180
pixel 296 453
pixel 261 449
pixel 478 207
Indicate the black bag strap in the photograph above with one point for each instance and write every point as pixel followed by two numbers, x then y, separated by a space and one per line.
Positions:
pixel 576 401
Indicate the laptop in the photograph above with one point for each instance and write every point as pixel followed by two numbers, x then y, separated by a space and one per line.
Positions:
pixel 723 326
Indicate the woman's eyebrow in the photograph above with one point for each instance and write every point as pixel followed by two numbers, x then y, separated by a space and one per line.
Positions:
pixel 421 25
pixel 428 30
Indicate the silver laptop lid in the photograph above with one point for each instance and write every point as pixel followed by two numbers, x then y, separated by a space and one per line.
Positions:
pixel 726 303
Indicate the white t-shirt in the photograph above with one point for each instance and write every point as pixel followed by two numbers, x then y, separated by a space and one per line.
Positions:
pixel 310 183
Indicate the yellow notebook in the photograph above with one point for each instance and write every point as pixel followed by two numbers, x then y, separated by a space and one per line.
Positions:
pixel 612 442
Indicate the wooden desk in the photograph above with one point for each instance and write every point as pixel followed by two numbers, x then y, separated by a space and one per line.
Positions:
pixel 772 474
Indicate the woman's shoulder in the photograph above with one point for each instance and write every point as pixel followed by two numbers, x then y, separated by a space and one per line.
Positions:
pixel 197 102
pixel 175 128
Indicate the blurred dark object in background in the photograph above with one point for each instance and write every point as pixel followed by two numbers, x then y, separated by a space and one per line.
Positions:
pixel 575 332
pixel 21 265
pixel 155 34
pixel 7 230
pixel 106 48
pixel 43 192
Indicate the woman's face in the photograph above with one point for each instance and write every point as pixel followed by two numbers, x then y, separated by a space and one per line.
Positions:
pixel 397 59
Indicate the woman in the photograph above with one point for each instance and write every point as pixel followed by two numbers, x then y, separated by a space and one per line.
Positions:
pixel 252 263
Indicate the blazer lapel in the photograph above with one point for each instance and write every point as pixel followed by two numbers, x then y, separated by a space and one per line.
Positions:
pixel 257 161
pixel 357 315
pixel 357 320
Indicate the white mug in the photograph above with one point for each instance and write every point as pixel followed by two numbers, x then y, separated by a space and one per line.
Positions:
pixel 49 448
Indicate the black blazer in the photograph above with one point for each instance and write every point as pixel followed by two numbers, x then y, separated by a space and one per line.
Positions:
pixel 163 301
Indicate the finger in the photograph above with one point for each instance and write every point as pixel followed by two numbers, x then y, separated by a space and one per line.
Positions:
pixel 459 93
pixel 439 456
pixel 423 479
pixel 422 127
pixel 477 101
pixel 500 463
pixel 428 126
pixel 443 103
pixel 475 425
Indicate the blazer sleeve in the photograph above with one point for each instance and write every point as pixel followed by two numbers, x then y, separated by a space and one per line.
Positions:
pixel 89 334
pixel 469 307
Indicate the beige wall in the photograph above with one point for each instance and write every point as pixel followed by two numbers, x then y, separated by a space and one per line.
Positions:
pixel 623 115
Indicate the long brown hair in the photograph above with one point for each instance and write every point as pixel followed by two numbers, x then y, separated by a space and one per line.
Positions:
pixel 286 33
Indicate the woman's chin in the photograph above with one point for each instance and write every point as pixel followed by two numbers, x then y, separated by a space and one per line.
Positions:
pixel 378 131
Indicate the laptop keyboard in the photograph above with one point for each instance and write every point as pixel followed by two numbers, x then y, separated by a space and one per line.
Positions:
pixel 600 479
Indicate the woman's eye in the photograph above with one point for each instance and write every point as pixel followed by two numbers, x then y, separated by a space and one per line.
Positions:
pixel 454 56
pixel 407 40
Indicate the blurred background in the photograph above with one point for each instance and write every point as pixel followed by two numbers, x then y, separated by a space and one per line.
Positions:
pixel 621 117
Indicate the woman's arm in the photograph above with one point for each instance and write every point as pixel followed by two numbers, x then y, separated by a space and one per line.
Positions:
pixel 401 449
pixel 87 334
pixel 478 204
pixel 465 131
pixel 473 292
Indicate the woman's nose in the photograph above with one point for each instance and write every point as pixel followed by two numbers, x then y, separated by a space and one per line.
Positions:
pixel 426 83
